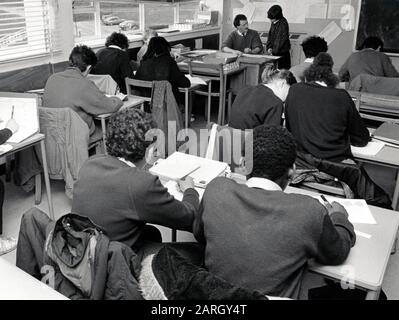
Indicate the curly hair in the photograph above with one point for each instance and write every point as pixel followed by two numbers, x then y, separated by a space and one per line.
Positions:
pixel 274 152
pixel 82 56
pixel 313 45
pixel 117 39
pixel 126 134
pixel 321 70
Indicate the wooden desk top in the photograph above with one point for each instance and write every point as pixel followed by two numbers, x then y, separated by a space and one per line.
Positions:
pixel 18 285
pixel 129 103
pixel 368 259
pixel 37 137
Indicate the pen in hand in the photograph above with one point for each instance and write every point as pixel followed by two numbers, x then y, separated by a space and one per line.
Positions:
pixel 326 202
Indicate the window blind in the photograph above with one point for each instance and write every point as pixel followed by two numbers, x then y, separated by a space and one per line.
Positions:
pixel 28 28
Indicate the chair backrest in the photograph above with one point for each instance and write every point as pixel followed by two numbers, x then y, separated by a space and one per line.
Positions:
pixel 105 83
pixel 137 88
pixel 232 146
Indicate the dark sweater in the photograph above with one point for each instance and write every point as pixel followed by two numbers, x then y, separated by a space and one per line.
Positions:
pixel 279 38
pixel 5 134
pixel 238 42
pixel 116 63
pixel 368 61
pixel 122 199
pixel 324 121
pixel 255 106
pixel 262 240
pixel 163 68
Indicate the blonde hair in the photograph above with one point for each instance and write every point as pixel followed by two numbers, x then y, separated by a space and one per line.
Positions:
pixel 148 34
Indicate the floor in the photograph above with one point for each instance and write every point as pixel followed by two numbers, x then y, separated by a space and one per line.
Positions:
pixel 18 201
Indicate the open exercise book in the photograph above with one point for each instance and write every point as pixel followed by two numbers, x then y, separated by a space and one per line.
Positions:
pixel 180 165
pixel 358 210
pixel 25 114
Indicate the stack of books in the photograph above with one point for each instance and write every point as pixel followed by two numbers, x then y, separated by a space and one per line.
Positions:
pixel 179 49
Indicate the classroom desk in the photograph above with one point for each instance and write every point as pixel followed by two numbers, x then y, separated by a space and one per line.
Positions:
pixel 36 139
pixel 368 259
pixel 209 74
pixel 387 157
pixel 255 66
pixel 131 102
pixel 19 285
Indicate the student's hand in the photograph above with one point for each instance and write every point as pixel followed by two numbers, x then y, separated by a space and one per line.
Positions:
pixel 12 125
pixel 270 51
pixel 186 183
pixel 335 207
pixel 238 53
pixel 247 50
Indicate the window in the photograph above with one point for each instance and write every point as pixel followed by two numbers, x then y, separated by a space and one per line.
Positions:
pixel 97 19
pixel 25 28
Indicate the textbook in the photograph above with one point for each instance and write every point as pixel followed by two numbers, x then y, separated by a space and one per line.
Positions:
pixel 23 108
pixel 388 132
pixel 180 165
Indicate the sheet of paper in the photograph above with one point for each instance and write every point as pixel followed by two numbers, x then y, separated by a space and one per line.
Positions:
pixel 174 190
pixel 358 210
pixel 372 148
pixel 317 11
pixel 5 148
pixel 331 32
pixel 25 114
pixel 247 55
pixel 363 235
pixel 121 96
pixel 196 80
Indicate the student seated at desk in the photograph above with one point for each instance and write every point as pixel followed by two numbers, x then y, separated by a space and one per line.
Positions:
pixel 147 36
pixel 262 104
pixel 260 238
pixel 312 46
pixel 243 39
pixel 116 194
pixel 71 89
pixel 325 123
pixel 158 65
pixel 370 60
pixel 114 60
pixel 6 244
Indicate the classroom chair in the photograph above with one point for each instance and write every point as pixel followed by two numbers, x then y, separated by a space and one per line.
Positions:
pixel 139 89
pixel 67 144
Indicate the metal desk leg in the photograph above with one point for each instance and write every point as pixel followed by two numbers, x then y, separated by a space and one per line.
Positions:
pixel 224 100
pixel 104 130
pixel 186 108
pixel 209 100
pixel 373 295
pixel 47 180
pixel 221 102
pixel 395 199
pixel 38 189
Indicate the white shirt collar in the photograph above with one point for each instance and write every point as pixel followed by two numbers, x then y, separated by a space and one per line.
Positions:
pixel 115 47
pixel 321 83
pixel 264 184
pixel 309 60
pixel 241 34
pixel 130 164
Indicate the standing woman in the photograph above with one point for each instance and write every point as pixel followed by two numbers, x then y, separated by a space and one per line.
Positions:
pixel 278 41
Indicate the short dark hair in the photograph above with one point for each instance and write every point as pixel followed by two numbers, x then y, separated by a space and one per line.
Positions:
pixel 117 39
pixel 373 42
pixel 238 18
pixel 157 46
pixel 126 134
pixel 275 12
pixel 313 45
pixel 274 152
pixel 321 70
pixel 82 56
pixel 271 73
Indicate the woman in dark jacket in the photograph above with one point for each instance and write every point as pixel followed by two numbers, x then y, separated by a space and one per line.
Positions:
pixel 278 41
pixel 158 65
